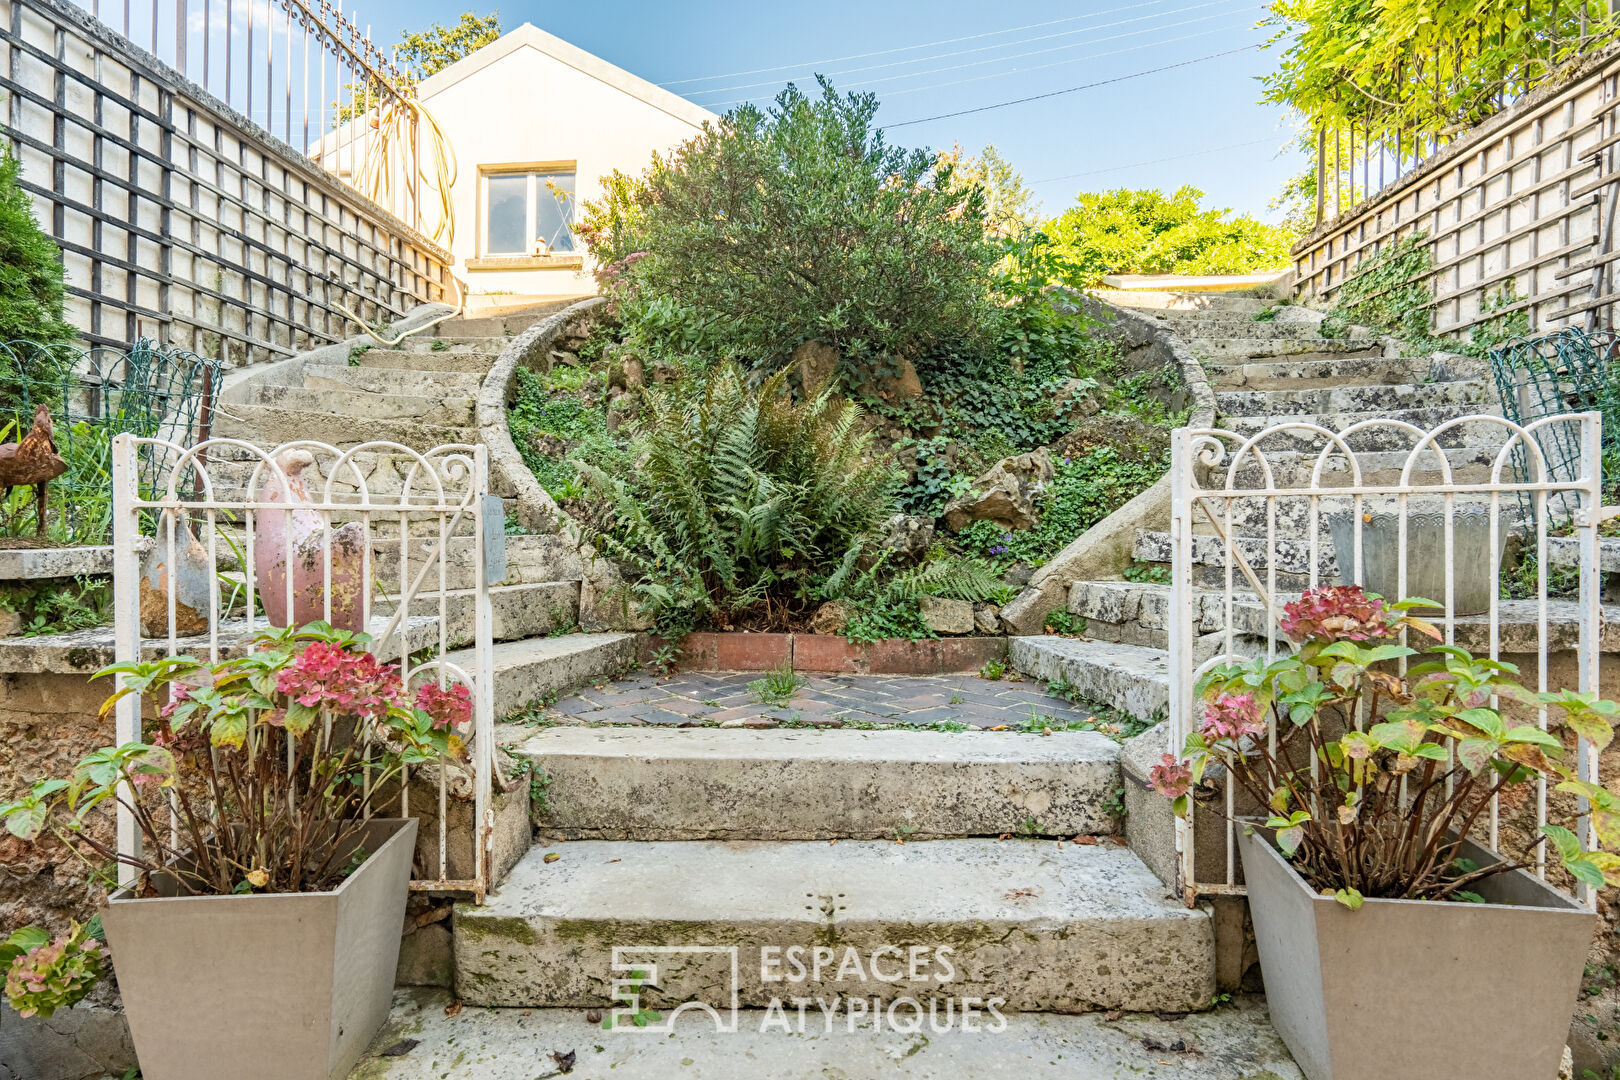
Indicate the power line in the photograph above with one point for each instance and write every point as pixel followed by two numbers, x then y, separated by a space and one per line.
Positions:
pixel 1073 89
pixel 907 48
pixel 1153 161
pixel 985 48
pixel 1034 52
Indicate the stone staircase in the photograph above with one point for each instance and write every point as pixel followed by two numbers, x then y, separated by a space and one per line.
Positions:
pixel 680 842
pixel 1265 371
pixel 421 394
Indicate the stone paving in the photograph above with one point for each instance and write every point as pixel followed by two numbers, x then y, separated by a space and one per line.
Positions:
pixel 725 699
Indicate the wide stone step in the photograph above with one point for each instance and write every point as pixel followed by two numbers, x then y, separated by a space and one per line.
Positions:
pixel 529 559
pixel 1227 349
pixel 384 474
pixel 1245 326
pixel 517 611
pixel 1132 678
pixel 1335 371
pixel 1042 926
pixel 452 411
pixel 505 325
pixel 487 344
pixel 1297 469
pixel 699 784
pixel 381 380
pixel 1383 437
pixel 463 360
pixel 447 1041
pixel 1471 393
pixel 271 425
pixel 536 669
pixel 1190 302
pixel 1292 557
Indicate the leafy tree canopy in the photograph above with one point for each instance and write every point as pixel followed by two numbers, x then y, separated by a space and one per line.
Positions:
pixel 30 283
pixel 1010 207
pixel 794 223
pixel 1421 67
pixel 428 52
pixel 1129 231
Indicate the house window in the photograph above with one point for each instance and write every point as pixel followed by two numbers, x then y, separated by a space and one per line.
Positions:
pixel 529 212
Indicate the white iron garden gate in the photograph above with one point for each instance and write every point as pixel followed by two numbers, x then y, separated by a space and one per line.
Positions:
pixel 379 539
pixel 1257 519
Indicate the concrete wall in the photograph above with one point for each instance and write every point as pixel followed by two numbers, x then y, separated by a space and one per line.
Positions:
pixel 1519 200
pixel 180 219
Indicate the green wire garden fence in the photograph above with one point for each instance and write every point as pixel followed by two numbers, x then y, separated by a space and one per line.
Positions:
pixel 150 390
pixel 1568 371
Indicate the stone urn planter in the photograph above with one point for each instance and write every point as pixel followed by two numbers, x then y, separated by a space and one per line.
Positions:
pixel 270 986
pixel 1427 555
pixel 1417 988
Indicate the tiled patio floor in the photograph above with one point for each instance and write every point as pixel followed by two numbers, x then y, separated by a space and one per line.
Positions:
pixel 724 698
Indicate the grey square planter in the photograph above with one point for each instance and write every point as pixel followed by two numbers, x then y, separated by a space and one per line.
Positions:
pixel 285 986
pixel 1418 988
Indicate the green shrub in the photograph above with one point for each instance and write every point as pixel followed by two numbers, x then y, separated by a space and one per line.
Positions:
pixel 1148 232
pixel 771 228
pixel 536 412
pixel 884 600
pixel 1083 491
pixel 30 286
pixel 732 496
pixel 1388 292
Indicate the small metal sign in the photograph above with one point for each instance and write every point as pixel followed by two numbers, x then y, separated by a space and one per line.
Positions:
pixel 494 540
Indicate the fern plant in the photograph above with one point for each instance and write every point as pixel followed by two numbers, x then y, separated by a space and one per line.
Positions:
pixel 732 495
pixel 884 600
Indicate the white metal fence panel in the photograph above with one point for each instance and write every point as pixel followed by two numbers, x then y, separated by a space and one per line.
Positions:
pixel 1256 519
pixel 408 592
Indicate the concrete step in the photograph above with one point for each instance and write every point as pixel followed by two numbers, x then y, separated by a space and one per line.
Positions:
pixel 1472 433
pixel 1337 371
pixel 507 324
pixel 470 1043
pixel 452 411
pixel 489 345
pixel 529 560
pixel 383 471
pixel 1243 325
pixel 1294 468
pixel 1167 301
pixel 535 669
pixel 518 611
pixel 453 360
pixel 1293 557
pixel 381 380
pixel 1229 349
pixel 1474 394
pixel 705 783
pixel 270 425
pixel 1132 678
pixel 1042 926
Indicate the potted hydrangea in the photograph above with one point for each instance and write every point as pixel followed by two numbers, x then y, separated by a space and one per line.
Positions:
pixel 261 932
pixel 1391 941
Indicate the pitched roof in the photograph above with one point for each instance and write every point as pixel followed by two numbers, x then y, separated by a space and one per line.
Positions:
pixel 531 36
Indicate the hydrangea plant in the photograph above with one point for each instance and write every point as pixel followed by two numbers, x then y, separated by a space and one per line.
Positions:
pixel 44 974
pixel 1373 776
pixel 256 773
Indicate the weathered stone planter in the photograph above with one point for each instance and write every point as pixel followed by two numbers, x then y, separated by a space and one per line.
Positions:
pixel 1427 555
pixel 1417 988
pixel 271 987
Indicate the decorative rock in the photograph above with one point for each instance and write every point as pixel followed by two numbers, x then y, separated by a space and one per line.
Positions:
pixel 1005 494
pixel 10 623
pixel 817 362
pixel 605 602
pixel 830 617
pixel 1079 397
pixel 986 619
pixel 945 616
pixel 901 384
pixel 563 358
pixel 909 535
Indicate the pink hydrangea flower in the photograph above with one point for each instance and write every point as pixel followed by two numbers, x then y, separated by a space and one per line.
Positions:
pixel 1170 777
pixel 1337 613
pixel 1231 717
pixel 327 676
pixel 449 706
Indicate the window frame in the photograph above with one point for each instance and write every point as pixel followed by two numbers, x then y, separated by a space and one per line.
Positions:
pixel 532 171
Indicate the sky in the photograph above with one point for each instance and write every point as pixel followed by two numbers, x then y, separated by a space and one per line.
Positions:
pixel 1203 117
pixel 1176 100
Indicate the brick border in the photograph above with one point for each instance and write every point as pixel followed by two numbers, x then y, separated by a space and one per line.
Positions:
pixel 831 653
